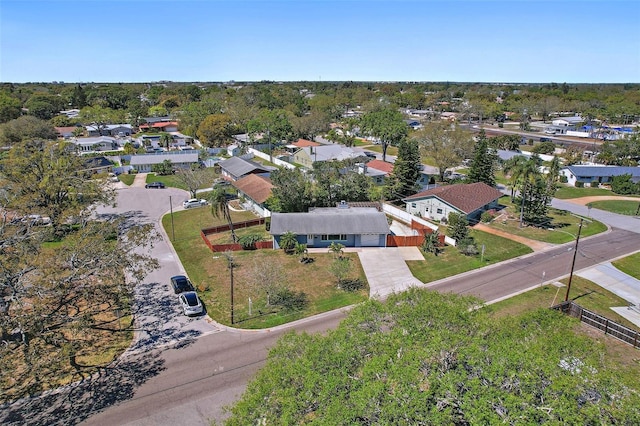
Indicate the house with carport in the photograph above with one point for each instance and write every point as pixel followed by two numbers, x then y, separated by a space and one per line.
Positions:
pixel 469 200
pixel 349 226
pixel 255 190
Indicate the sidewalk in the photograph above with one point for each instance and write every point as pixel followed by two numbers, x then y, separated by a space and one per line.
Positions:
pixel 617 282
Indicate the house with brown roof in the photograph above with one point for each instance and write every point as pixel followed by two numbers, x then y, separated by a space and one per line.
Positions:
pixel 161 126
pixel 256 190
pixel 469 200
pixel 379 170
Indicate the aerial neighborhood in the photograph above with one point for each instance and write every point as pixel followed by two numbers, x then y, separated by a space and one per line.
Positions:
pixel 143 218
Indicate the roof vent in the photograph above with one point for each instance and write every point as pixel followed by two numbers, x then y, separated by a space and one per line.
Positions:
pixel 343 205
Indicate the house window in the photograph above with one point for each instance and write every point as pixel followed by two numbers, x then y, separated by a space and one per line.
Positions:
pixel 334 237
pixel 439 211
pixel 413 205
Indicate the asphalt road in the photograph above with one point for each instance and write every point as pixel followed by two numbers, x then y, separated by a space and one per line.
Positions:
pixel 183 371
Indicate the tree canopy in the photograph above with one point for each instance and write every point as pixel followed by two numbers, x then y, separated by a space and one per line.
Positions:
pixel 428 358
pixel 387 124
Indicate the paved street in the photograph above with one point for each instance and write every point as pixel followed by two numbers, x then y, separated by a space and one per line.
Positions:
pixel 185 371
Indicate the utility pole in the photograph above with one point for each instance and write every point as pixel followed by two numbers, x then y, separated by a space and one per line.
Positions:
pixel 229 257
pixel 173 232
pixel 573 263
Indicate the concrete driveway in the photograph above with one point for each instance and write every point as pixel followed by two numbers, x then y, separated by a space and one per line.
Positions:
pixel 387 271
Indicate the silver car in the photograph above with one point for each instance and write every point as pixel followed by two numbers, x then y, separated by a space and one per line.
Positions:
pixel 194 202
pixel 191 304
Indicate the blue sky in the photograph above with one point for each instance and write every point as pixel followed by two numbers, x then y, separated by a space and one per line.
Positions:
pixel 377 40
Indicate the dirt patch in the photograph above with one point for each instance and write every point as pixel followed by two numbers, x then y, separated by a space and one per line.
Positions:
pixel 533 244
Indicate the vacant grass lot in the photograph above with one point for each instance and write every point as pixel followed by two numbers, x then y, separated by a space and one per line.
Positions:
pixel 174 181
pixel 211 275
pixel 450 262
pixel 626 207
pixel 564 225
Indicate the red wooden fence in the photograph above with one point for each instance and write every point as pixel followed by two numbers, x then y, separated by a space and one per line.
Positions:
pixel 217 248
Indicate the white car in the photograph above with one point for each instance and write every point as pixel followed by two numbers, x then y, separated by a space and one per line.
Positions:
pixel 194 202
pixel 191 304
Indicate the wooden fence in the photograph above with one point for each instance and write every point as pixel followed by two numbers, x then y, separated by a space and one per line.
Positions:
pixel 217 248
pixel 414 240
pixel 609 327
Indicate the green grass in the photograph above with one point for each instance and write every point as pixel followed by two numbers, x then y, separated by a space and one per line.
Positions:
pixel 174 181
pixel 209 273
pixel 565 225
pixel 391 150
pixel 585 293
pixel 450 262
pixel 626 207
pixel 567 192
pixel 629 265
pixel 127 179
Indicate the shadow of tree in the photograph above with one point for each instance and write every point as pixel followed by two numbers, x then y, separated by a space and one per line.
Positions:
pixel 75 403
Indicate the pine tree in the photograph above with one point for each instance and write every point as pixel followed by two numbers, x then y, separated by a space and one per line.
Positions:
pixel 406 171
pixel 483 162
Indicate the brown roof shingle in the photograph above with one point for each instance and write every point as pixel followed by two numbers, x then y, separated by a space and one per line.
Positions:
pixel 258 188
pixel 466 197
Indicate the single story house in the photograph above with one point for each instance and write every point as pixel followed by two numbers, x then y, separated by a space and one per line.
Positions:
pixel 97 165
pixel 235 168
pixel 256 190
pixel 180 159
pixel 92 144
pixel 567 121
pixel 110 130
pixel 349 226
pixel 65 132
pixel 308 155
pixel 160 126
pixel 469 200
pixel 587 174
pixel 379 170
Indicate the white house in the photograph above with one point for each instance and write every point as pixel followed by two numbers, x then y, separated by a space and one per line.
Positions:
pixel 469 200
pixel 588 174
pixel 93 144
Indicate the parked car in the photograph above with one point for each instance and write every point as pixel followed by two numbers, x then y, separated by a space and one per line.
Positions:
pixel 180 284
pixel 194 202
pixel 546 140
pixel 191 304
pixel 158 185
pixel 370 154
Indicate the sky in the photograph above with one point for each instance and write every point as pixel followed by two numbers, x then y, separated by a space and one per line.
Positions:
pixel 517 41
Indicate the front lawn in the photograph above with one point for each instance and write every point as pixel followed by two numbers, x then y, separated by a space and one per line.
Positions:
pixel 173 181
pixel 391 150
pixel 566 192
pixel 564 225
pixel 210 274
pixel 629 265
pixel 626 207
pixel 450 262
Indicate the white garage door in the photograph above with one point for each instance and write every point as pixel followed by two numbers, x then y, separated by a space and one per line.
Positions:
pixel 370 240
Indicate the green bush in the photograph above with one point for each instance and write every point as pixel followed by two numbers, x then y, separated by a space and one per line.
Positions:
pixel 351 285
pixel 579 184
pixel 248 242
pixel 487 216
pixel 594 184
pixel 290 300
pixel 564 179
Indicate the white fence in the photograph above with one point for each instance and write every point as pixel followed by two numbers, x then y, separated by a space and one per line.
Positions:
pixel 408 217
pixel 275 161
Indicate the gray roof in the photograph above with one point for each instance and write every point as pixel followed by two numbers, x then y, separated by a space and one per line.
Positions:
pixel 238 167
pixel 505 155
pixel 175 158
pixel 350 221
pixel 609 171
pixel 331 152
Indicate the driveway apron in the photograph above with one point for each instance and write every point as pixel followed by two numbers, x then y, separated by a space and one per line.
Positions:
pixel 387 271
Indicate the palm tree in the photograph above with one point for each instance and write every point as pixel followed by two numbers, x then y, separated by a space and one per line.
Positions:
pixel 166 139
pixel 336 249
pixel 523 172
pixel 220 206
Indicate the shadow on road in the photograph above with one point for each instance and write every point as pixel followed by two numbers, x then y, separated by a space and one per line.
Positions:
pixel 75 403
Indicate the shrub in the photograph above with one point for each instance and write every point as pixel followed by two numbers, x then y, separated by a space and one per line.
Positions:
pixel 288 242
pixel 248 242
pixel 579 184
pixel 467 246
pixel 564 179
pixel 594 184
pixel 290 300
pixel 351 285
pixel 488 216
